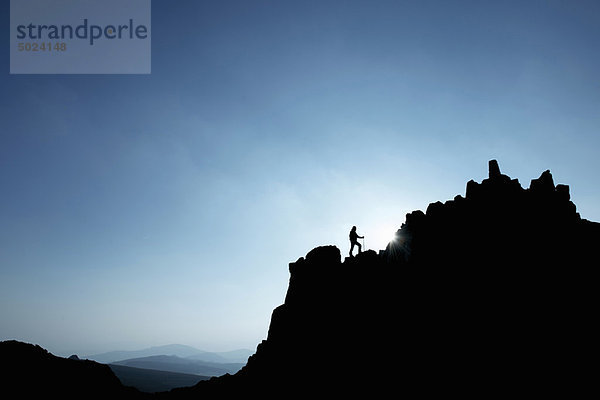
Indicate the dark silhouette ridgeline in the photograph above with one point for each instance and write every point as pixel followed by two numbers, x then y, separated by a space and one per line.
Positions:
pixel 30 372
pixel 493 293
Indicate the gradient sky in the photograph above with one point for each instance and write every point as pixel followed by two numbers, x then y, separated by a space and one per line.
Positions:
pixel 146 210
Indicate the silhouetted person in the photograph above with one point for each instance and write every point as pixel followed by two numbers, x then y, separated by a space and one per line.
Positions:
pixel 354 240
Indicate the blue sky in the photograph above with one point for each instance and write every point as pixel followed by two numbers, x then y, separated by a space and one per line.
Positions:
pixel 141 210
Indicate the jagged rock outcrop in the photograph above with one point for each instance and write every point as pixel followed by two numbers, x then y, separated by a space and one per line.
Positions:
pixel 498 223
pixel 488 294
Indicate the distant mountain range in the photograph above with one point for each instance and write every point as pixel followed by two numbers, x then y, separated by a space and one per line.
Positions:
pixel 151 381
pixel 178 350
pixel 181 365
pixel 162 368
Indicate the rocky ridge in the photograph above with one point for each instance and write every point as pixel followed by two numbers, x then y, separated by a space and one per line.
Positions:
pixel 490 293
pixel 493 293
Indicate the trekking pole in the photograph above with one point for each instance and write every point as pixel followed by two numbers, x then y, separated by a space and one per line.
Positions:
pixel 365 249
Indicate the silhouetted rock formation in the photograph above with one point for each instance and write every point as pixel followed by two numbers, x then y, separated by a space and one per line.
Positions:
pixel 30 372
pixel 491 293
pixel 488 294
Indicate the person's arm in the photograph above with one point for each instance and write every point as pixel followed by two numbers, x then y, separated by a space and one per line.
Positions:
pixel 361 237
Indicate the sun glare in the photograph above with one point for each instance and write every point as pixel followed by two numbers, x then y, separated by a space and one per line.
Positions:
pixel 380 237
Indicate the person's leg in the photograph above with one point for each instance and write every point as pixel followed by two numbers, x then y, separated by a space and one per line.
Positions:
pixel 359 247
pixel 351 248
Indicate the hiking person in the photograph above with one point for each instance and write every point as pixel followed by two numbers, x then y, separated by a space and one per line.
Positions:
pixel 354 240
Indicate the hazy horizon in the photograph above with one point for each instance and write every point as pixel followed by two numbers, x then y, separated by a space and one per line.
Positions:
pixel 144 210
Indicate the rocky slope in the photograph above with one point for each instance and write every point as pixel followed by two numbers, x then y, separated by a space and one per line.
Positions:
pixel 30 372
pixel 491 293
